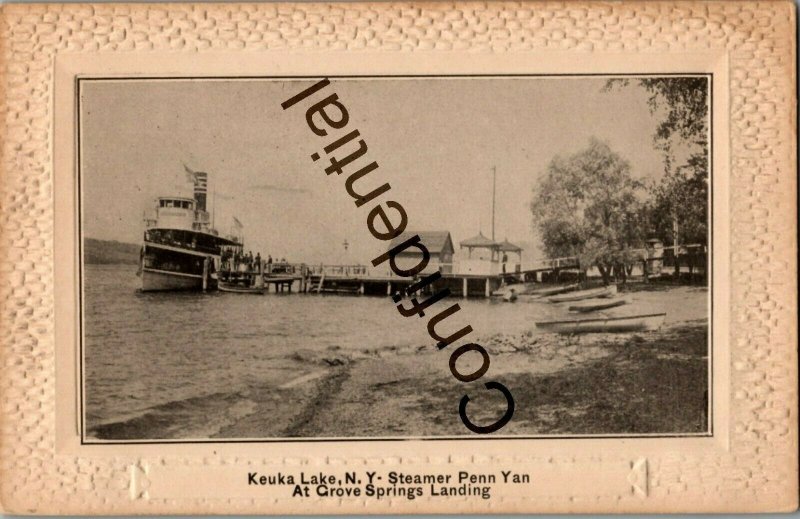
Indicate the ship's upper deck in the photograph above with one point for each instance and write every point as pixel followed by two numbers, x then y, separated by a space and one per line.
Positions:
pixel 180 213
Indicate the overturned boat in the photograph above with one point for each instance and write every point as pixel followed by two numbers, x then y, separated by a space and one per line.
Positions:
pixel 544 292
pixel 593 305
pixel 580 295
pixel 632 323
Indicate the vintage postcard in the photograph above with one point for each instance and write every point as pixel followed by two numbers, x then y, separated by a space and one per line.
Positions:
pixel 399 258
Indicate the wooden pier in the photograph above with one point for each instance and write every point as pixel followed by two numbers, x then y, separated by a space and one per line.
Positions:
pixel 362 280
pixel 359 280
pixel 366 284
pixel 281 277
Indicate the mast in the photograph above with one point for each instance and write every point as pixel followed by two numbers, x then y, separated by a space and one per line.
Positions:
pixel 494 182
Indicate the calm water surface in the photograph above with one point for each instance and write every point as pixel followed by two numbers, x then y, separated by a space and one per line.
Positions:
pixel 188 364
pixel 195 355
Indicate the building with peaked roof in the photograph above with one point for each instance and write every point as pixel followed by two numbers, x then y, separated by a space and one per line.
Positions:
pixel 505 247
pixel 497 261
pixel 480 242
pixel 438 243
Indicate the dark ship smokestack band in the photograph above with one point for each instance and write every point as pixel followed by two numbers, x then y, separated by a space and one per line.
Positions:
pixel 201 189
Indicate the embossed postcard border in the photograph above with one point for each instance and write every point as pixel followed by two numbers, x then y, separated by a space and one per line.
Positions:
pixel 750 464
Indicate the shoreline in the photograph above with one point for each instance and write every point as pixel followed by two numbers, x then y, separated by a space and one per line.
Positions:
pixel 597 383
pixel 646 383
pixel 562 385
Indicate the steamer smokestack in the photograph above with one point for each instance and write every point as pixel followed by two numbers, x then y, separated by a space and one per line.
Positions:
pixel 201 189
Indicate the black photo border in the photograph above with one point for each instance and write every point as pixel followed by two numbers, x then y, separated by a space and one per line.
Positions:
pixel 78 80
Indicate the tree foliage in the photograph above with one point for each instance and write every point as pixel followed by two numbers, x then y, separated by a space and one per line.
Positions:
pixel 589 206
pixel 680 200
pixel 684 103
pixel 678 207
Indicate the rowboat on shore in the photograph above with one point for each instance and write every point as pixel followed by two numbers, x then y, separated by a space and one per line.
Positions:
pixel 553 290
pixel 593 305
pixel 632 323
pixel 585 294
pixel 529 289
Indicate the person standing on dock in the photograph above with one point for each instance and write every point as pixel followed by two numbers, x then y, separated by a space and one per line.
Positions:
pixel 258 262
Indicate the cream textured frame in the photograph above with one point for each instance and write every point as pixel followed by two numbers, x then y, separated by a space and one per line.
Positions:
pixel 749 464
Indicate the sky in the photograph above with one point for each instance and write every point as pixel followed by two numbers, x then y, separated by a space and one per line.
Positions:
pixel 436 140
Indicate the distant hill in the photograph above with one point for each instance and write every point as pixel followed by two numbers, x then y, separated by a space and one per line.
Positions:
pixel 107 252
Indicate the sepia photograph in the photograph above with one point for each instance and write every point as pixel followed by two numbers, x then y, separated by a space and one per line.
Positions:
pixel 395 257
pixel 398 258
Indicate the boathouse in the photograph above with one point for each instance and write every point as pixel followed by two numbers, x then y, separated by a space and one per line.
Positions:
pixel 486 259
pixel 505 248
pixel 438 243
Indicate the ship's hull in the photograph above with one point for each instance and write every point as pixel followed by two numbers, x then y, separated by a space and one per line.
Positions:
pixel 174 266
pixel 158 281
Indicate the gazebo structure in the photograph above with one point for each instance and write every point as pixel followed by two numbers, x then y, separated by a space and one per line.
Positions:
pixel 507 246
pixel 481 242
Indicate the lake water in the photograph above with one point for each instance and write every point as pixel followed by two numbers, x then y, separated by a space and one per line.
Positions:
pixel 189 364
pixel 191 358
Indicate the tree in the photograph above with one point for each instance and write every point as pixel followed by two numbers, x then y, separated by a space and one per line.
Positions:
pixel 679 205
pixel 589 206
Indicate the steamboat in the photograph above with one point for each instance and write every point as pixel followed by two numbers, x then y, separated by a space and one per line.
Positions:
pixel 181 249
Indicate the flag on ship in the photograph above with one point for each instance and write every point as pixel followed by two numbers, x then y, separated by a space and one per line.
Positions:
pixel 198 178
pixel 189 173
pixel 238 230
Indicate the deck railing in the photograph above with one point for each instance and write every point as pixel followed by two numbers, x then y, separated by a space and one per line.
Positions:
pixel 338 270
pixel 284 268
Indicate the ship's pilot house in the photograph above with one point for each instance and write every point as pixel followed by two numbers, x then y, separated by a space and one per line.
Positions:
pixel 180 203
pixel 176 213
